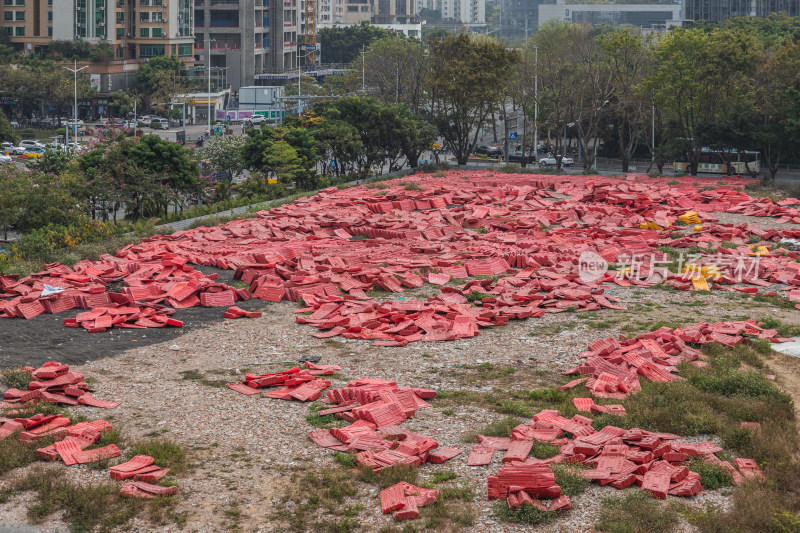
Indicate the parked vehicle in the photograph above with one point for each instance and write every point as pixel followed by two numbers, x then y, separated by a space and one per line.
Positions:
pixel 9 148
pixel 489 151
pixel 551 161
pixel 159 124
pixel 567 161
pixel 5 159
pixel 255 119
pixel 30 143
pixel 33 153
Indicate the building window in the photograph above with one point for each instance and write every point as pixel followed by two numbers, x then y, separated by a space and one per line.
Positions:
pixel 20 31
pixel 20 15
pixel 49 31
pixel 157 32
pixel 120 17
pixel 185 50
pixel 9 30
pixel 120 52
pixel 156 3
pixel 120 33
pixel 144 32
pixel 8 2
pixel 8 15
pixel 158 17
pixel 144 16
pixel 49 16
pixel 20 2
pixel 151 50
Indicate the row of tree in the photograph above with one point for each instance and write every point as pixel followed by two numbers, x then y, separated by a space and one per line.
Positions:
pixel 729 86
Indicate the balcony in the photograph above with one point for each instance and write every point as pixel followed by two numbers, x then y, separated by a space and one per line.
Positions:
pixel 289 24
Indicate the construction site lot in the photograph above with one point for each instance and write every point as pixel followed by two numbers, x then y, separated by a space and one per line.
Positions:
pixel 496 315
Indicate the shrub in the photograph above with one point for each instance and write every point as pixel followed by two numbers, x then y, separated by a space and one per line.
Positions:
pixel 636 512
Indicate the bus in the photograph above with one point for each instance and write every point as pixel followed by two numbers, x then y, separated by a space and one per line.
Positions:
pixel 713 162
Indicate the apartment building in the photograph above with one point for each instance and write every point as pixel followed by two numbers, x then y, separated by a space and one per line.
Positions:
pixel 338 12
pixel 460 11
pixel 27 23
pixel 136 29
pixel 247 37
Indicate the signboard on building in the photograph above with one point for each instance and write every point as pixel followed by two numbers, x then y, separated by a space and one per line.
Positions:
pixel 94 81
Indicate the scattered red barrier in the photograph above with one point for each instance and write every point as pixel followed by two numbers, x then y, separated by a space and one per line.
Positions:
pixel 616 364
pixel 329 249
pixel 55 383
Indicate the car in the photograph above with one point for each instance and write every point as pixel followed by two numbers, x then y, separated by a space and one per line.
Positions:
pixel 33 153
pixel 14 123
pixel 255 119
pixel 159 123
pixel 5 159
pixel 10 149
pixel 30 143
pixel 548 161
pixel 489 151
pixel 567 161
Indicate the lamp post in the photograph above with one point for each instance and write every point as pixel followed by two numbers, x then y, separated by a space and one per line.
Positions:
pixel 208 41
pixel 536 105
pixel 75 106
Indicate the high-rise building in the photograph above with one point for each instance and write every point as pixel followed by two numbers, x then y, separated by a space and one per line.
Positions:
pixel 718 10
pixel 519 18
pixel 460 11
pixel 247 37
pixel 647 16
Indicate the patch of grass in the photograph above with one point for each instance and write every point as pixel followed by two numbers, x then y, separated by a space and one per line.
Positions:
pixel 17 454
pixel 396 474
pixel 17 379
pixel 441 476
pixel 636 512
pixel 411 186
pixel 345 459
pixel 569 478
pixel 784 330
pixel 543 450
pixel 524 514
pixel 516 408
pixel 778 301
pixel 87 507
pixel 498 428
pixel 322 491
pixel 322 421
pixel 448 412
pixel 711 476
pixel 167 454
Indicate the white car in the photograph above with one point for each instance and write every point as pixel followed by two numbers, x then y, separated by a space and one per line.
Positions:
pixel 30 143
pixel 9 148
pixel 5 159
pixel 567 161
pixel 551 161
pixel 255 119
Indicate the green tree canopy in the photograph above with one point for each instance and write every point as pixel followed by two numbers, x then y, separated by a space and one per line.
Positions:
pixel 344 44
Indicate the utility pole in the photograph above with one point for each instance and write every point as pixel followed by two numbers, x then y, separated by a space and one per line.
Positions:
pixel 208 41
pixel 362 69
pixel 75 106
pixel 536 105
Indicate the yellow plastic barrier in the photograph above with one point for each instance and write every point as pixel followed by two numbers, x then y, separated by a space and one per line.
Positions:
pixel 690 217
pixel 700 283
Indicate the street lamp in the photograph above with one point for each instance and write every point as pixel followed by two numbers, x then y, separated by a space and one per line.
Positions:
pixel 75 107
pixel 536 105
pixel 208 41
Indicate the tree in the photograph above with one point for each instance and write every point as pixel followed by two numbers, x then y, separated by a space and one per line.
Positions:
pixel 700 77
pixel 147 173
pixel 395 71
pixel 629 61
pixel 101 53
pixel 225 153
pixel 343 45
pixel 125 102
pixel 777 90
pixel 282 160
pixel 414 133
pixel 158 79
pixel 53 162
pixel 6 131
pixel 339 143
pixel 466 81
